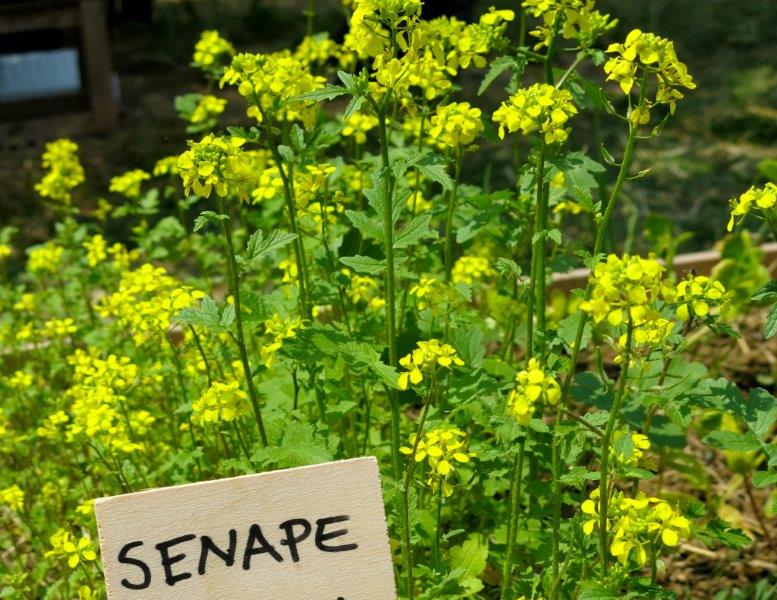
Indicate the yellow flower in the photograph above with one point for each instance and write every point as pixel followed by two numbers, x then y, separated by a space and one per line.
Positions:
pixel 469 269
pixel 269 185
pixel 45 258
pixel 764 198
pixel 58 328
pixel 74 550
pixel 639 445
pixel 52 426
pixel 210 51
pixel 456 124
pixel 13 498
pixel 19 380
pixel 166 166
pixel 426 358
pixel 540 107
pixel 128 184
pixel 358 124
pixel 208 108
pixel 657 55
pixel 365 289
pixel 65 171
pixel 574 20
pixel 96 250
pixel 697 294
pixel 532 385
pixel 221 402
pixel 5 251
pixel 442 447
pixel 278 329
pixel 215 163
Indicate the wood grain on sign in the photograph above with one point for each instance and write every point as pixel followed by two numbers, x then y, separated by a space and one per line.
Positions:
pixel 312 533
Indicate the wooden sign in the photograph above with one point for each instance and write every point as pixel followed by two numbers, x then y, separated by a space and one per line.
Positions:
pixel 312 533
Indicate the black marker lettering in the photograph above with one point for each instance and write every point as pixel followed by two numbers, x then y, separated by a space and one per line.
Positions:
pixel 208 546
pixel 168 561
pixel 255 535
pixel 292 540
pixel 322 537
pixel 124 559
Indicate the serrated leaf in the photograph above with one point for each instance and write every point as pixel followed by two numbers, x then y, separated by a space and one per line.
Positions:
pixel 770 328
pixel 731 440
pixel 328 92
pixel 498 66
pixel 208 216
pixel 364 264
pixel 369 228
pixel 353 106
pixel 414 231
pixel 258 246
pixel 436 171
pixel 720 531
pixel 766 293
pixel 297 138
pixel 764 478
pixel 469 560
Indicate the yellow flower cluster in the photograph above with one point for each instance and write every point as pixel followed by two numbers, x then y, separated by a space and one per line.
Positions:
pixel 364 289
pixel 96 250
pixel 215 163
pixel 221 402
pixel 317 49
pixel 166 166
pixel 532 385
pixel 53 425
pixel 71 549
pixel 128 184
pixel 426 358
pixel 208 108
pixel 57 328
pixel 639 524
pixel 211 52
pixel 540 107
pixel 278 329
pixel 433 294
pixel 64 170
pixel 572 19
pixel 456 125
pixel 5 251
pixel 639 445
pixel 271 82
pixel 442 447
pixel 469 269
pixel 12 497
pixel 358 124
pixel 113 371
pixel 368 35
pixel 764 198
pixel 696 294
pixel 44 258
pixel 268 186
pixel 656 55
pixel 19 380
pixel 623 288
pixel 146 300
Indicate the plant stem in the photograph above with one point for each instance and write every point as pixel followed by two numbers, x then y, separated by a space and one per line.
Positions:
pixel 436 546
pixel 234 274
pixel 575 352
pixel 604 478
pixel 452 196
pixel 515 496
pixel 532 307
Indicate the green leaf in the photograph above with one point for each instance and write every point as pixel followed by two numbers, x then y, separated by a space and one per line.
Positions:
pixel 763 479
pixel 297 138
pixel 436 171
pixel 328 92
pixel 768 168
pixel 300 445
pixel 719 531
pixel 468 561
pixel 766 293
pixel 207 315
pixel 414 231
pixel 594 591
pixel 498 66
pixel 364 264
pixel 208 216
pixel 353 106
pixel 369 228
pixel 567 330
pixel 731 440
pixel 770 328
pixel 258 246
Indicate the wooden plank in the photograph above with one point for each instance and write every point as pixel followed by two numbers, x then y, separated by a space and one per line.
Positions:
pixel 33 18
pixel 311 533
pixel 96 57
pixel 700 262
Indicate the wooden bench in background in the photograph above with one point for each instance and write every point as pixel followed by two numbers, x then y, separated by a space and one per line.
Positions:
pixel 25 25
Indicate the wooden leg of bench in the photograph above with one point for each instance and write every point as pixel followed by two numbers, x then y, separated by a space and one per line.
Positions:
pixel 97 64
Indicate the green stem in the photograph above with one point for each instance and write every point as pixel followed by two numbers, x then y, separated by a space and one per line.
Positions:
pixel 436 546
pixel 234 275
pixel 452 197
pixel 536 248
pixel 604 474
pixel 515 496
pixel 575 352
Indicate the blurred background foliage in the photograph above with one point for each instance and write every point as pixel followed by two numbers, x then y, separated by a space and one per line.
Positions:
pixel 708 154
